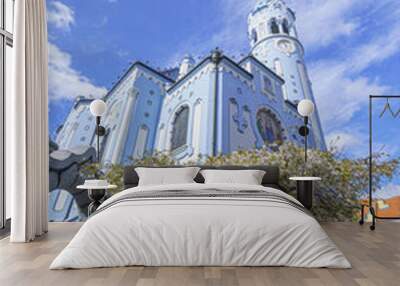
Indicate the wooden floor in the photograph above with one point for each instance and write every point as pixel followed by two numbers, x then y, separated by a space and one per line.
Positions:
pixel 375 257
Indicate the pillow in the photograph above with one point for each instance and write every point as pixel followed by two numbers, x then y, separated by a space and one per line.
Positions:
pixel 248 177
pixel 166 176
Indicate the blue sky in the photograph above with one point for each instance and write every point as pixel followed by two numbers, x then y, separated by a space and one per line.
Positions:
pixel 352 50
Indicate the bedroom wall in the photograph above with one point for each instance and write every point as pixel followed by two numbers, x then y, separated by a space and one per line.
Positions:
pixel 148 61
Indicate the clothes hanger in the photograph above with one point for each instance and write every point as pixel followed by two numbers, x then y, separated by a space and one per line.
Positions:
pixel 397 114
pixel 388 107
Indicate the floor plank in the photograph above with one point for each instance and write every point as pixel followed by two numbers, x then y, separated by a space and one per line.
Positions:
pixel 375 257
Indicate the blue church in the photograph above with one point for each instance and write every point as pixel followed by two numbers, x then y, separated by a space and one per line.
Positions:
pixel 214 106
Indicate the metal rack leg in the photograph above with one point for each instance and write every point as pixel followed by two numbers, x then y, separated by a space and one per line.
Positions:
pixel 372 226
pixel 374 216
pixel 361 222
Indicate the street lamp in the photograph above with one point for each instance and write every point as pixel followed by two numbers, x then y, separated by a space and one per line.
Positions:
pixel 305 109
pixel 98 107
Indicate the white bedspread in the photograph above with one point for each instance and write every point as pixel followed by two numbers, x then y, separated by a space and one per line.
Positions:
pixel 200 232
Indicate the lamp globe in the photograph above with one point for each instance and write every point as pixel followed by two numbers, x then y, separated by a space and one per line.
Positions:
pixel 98 107
pixel 305 107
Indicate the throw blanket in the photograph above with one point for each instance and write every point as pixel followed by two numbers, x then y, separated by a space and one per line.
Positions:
pixel 205 194
pixel 201 225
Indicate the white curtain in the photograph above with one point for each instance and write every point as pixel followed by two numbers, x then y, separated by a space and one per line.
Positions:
pixel 27 124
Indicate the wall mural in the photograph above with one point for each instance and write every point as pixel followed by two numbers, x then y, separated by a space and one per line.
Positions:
pixel 181 100
pixel 268 126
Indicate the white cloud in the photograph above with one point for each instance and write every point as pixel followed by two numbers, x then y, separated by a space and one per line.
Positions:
pixel 339 92
pixel 353 140
pixel 64 81
pixel 338 84
pixel 321 22
pixel 389 191
pixel 342 140
pixel 60 15
pixel 379 49
pixel 338 81
pixel 231 34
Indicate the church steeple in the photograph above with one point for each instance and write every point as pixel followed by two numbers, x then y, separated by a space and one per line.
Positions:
pixel 274 42
pixel 270 18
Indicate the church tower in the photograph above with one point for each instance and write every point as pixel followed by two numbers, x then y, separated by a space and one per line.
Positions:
pixel 274 42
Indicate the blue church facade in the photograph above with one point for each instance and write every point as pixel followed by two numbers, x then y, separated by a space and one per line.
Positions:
pixel 215 106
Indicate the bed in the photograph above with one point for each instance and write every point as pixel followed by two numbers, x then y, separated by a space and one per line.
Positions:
pixel 197 224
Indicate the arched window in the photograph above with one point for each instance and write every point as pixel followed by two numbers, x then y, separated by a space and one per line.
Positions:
pixel 180 128
pixel 268 126
pixel 285 27
pixel 254 36
pixel 274 27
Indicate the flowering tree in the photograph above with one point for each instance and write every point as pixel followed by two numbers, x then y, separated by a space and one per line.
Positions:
pixel 336 197
pixel 344 181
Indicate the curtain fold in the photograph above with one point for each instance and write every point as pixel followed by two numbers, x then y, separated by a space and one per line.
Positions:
pixel 27 124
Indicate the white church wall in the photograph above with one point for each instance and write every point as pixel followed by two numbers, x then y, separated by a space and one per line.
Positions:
pixel 141 141
pixel 236 129
pixel 195 91
pixel 241 135
pixel 145 114
pixel 254 99
pixel 115 150
pixel 79 128
pixel 197 130
pixel 121 102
